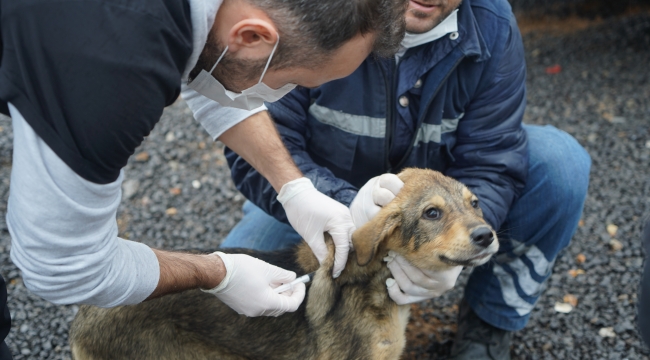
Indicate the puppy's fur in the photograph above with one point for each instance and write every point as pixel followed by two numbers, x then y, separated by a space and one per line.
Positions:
pixel 430 223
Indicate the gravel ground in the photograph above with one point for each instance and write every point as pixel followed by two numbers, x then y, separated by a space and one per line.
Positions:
pixel 178 194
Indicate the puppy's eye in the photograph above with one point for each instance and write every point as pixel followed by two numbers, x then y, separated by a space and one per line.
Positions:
pixel 474 203
pixel 432 214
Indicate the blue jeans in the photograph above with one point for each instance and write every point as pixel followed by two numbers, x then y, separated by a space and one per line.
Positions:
pixel 539 225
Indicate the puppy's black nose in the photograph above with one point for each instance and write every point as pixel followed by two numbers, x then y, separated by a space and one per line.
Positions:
pixel 482 236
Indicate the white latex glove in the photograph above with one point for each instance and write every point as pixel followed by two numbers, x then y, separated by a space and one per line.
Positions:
pixel 312 213
pixel 248 287
pixel 411 285
pixel 377 192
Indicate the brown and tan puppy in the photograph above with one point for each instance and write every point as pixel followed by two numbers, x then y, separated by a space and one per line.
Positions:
pixel 434 222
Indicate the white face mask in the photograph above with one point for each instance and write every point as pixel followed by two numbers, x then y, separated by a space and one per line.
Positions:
pixel 249 99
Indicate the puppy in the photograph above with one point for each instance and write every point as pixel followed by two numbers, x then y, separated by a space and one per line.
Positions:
pixel 435 222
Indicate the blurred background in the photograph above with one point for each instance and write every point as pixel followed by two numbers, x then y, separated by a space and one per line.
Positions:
pixel 588 74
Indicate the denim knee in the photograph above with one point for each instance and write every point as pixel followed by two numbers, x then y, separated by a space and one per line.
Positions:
pixel 559 162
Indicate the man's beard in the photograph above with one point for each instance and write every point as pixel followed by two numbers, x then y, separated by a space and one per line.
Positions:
pixel 433 21
pixel 234 74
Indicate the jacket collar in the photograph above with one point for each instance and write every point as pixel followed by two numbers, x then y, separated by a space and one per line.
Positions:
pixel 472 42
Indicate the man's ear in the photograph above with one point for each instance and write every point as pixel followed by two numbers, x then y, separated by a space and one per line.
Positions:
pixel 253 36
pixel 367 238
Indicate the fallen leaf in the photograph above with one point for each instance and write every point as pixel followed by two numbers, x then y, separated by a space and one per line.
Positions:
pixel 571 299
pixel 175 191
pixel 555 69
pixel 563 308
pixel 581 223
pixel 615 245
pixel 171 211
pixel 143 156
pixel 612 229
pixel 607 332
pixel 581 258
pixel 202 145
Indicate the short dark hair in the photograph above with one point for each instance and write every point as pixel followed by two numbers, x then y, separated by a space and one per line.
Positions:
pixel 310 30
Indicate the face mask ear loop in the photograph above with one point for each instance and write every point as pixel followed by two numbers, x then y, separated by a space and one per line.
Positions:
pixel 219 59
pixel 270 57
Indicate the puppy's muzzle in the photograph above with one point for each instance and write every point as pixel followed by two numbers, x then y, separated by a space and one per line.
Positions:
pixel 482 237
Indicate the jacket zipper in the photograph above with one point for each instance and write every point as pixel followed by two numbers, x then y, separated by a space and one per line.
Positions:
pixel 417 128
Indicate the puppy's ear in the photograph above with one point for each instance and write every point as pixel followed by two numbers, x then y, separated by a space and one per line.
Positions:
pixel 367 238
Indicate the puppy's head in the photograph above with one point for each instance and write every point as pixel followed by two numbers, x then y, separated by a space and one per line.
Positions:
pixel 435 222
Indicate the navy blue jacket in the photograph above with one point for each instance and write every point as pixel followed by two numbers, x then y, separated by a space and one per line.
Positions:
pixel 454 105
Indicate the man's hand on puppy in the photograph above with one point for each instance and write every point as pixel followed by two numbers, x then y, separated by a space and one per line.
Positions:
pixel 312 213
pixel 248 287
pixel 372 196
pixel 411 284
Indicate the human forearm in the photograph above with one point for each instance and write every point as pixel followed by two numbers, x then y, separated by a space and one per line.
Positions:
pixel 182 271
pixel 257 141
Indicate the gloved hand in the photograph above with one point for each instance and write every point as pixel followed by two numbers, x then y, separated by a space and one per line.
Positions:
pixel 417 284
pixel 377 192
pixel 311 213
pixel 248 287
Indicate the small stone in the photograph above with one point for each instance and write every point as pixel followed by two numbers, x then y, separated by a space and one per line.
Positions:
pixel 576 272
pixel 129 188
pixel 581 258
pixel 142 157
pixel 571 299
pixel 615 245
pixel 592 137
pixel 607 332
pixel 612 229
pixel 170 136
pixel 563 307
pixel 171 211
pixel 196 184
pixel 175 191
pixel 174 165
